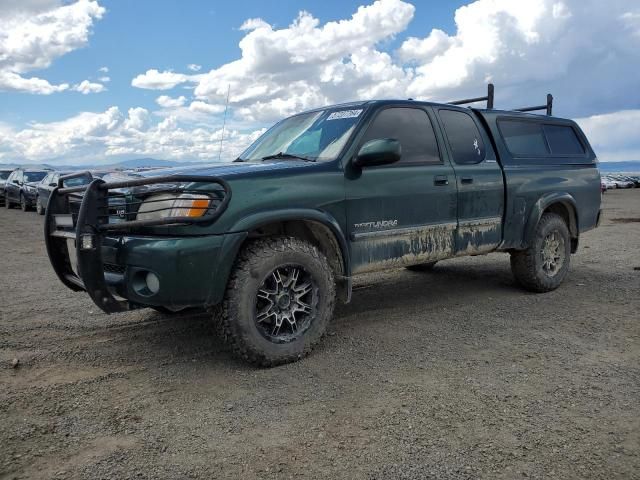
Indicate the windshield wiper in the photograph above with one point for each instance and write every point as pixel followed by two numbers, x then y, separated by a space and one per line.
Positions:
pixel 284 156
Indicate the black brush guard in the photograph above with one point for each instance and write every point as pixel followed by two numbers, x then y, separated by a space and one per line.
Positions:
pixel 86 227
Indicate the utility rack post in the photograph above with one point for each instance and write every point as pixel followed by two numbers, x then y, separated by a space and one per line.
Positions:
pixel 488 98
pixel 548 107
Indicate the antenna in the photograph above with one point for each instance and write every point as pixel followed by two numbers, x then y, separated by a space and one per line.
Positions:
pixel 224 122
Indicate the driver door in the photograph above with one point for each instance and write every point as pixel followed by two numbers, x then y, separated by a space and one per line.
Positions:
pixel 403 213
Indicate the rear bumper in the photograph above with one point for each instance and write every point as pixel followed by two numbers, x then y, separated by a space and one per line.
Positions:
pixel 192 271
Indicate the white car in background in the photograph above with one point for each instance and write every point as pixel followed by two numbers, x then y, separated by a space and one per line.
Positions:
pixel 608 183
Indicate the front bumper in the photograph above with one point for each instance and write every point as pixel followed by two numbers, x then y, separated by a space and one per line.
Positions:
pixel 120 270
pixel 192 271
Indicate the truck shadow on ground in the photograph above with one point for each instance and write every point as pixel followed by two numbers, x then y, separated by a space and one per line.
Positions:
pixel 190 336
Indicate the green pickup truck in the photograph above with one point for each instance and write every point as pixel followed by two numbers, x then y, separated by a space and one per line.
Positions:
pixel 269 242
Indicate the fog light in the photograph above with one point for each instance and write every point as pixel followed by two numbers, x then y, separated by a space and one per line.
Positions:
pixel 153 282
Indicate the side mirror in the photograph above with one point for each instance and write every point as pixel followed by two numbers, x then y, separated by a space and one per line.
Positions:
pixel 17 182
pixel 53 184
pixel 381 151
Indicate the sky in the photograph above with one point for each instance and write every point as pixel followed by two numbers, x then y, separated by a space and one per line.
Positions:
pixel 100 81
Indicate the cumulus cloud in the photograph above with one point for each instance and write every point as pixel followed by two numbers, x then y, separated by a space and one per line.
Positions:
pixel 527 48
pixel 614 136
pixel 85 87
pixel 170 102
pixel 194 67
pixel 89 136
pixel 35 33
pixel 155 80
pixel 582 51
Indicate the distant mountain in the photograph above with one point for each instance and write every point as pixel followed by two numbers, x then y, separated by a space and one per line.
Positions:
pixel 149 162
pixel 632 166
pixel 124 165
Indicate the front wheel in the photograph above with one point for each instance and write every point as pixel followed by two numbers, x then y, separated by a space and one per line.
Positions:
pixel 543 266
pixel 23 203
pixel 278 302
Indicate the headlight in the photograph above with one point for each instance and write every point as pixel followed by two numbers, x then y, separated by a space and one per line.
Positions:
pixel 157 207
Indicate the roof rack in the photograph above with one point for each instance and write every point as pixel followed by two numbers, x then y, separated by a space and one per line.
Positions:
pixel 488 97
pixel 548 107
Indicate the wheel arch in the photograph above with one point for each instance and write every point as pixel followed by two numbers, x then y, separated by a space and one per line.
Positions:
pixel 317 227
pixel 562 204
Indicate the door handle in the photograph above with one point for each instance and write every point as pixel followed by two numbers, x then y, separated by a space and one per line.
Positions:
pixel 466 180
pixel 440 180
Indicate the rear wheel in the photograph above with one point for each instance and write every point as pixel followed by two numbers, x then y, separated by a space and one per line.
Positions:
pixel 39 207
pixel 422 267
pixel 279 300
pixel 7 203
pixel 543 266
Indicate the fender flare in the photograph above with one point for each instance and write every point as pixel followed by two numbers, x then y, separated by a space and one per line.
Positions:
pixel 542 204
pixel 258 219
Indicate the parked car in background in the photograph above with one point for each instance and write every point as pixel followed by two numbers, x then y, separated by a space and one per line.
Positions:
pixel 608 183
pixel 629 178
pixel 48 183
pixel 21 188
pixel 621 182
pixel 4 175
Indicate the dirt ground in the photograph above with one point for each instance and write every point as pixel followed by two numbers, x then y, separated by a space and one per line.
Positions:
pixel 454 374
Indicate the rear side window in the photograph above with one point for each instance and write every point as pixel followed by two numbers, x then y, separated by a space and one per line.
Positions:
pixel 463 136
pixel 524 138
pixel 412 128
pixel 563 140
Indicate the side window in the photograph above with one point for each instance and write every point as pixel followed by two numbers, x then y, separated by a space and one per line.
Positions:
pixel 463 136
pixel 412 128
pixel 563 140
pixel 523 138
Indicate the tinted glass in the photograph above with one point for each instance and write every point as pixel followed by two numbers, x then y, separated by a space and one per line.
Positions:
pixel 463 136
pixel 412 128
pixel 76 181
pixel 523 138
pixel 4 175
pixel 563 140
pixel 34 176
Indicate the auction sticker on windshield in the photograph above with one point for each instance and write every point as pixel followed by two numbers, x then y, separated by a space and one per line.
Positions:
pixel 344 114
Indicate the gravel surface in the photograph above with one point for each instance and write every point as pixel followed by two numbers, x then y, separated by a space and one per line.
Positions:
pixel 454 374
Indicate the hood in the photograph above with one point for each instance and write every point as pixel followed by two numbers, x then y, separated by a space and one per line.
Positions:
pixel 32 184
pixel 226 170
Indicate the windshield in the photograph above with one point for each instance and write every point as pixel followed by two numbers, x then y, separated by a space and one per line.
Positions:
pixel 4 175
pixel 318 135
pixel 34 176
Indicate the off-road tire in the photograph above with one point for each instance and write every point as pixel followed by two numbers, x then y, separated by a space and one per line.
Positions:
pixel 236 314
pixel 422 267
pixel 526 265
pixel 40 209
pixel 7 203
pixel 23 204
